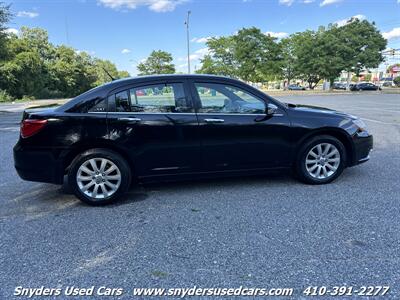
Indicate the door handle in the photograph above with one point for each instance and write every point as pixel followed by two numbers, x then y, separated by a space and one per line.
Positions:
pixel 214 120
pixel 130 120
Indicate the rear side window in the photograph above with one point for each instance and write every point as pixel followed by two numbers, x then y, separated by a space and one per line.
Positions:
pixel 158 98
pixel 92 105
pixel 98 105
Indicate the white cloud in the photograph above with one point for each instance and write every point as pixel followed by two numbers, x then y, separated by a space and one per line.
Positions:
pixel 86 51
pixel 11 30
pixel 308 1
pixel 286 2
pixel 343 22
pixel 198 54
pixel 279 35
pixel 27 14
pixel 154 5
pixel 125 51
pixel 329 2
pixel 201 40
pixel 392 34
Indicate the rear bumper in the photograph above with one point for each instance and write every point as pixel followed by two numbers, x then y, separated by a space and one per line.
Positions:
pixel 363 145
pixel 37 165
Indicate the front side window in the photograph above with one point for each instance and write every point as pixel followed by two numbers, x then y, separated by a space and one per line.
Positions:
pixel 158 98
pixel 122 102
pixel 222 98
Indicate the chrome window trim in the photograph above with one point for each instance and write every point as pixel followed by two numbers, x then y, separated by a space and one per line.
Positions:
pixel 173 113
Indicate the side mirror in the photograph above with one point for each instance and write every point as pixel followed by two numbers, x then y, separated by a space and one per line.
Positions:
pixel 271 109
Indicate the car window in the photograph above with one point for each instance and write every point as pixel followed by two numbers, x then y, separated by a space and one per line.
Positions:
pixel 98 105
pixel 222 98
pixel 158 98
pixel 122 102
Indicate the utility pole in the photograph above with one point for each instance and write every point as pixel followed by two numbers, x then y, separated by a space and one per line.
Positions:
pixel 66 31
pixel 188 41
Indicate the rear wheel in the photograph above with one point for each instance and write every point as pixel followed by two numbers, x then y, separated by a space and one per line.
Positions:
pixel 321 160
pixel 99 176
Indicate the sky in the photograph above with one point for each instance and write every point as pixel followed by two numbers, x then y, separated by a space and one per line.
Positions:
pixel 126 31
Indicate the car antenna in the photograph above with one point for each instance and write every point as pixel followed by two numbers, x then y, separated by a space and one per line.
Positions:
pixel 105 70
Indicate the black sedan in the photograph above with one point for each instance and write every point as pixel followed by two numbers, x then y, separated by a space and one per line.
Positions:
pixel 364 86
pixel 178 127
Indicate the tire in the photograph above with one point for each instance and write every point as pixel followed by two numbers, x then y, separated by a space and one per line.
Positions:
pixel 307 170
pixel 99 176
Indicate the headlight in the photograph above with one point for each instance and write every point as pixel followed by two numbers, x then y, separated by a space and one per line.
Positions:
pixel 360 124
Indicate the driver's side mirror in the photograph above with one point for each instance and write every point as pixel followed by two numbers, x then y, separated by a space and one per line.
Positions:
pixel 271 109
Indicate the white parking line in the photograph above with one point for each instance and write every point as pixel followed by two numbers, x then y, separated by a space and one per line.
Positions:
pixel 10 129
pixel 380 122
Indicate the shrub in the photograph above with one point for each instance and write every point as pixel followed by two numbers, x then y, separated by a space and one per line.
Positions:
pixel 5 97
pixel 397 81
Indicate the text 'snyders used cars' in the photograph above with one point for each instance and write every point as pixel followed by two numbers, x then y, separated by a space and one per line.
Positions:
pixel 182 126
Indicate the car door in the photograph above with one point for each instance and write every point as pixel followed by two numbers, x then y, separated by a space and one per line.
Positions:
pixel 156 124
pixel 235 131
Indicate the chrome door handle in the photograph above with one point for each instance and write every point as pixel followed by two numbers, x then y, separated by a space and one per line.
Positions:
pixel 129 119
pixel 214 120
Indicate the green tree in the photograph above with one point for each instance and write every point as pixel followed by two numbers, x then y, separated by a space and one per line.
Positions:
pixel 396 81
pixel 308 56
pixel 332 59
pixel 221 60
pixel 22 76
pixel 362 45
pixel 256 54
pixel 5 16
pixel 159 62
pixel 288 63
pixel 208 66
pixel 36 68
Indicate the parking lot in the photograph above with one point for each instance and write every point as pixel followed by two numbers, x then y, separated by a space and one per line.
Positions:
pixel 267 232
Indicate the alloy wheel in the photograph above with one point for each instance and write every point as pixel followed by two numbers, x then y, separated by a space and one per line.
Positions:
pixel 98 178
pixel 322 161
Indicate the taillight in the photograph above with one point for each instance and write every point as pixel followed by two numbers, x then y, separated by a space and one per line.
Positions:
pixel 30 127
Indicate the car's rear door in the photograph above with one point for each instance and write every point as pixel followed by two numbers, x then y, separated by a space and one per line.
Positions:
pixel 235 131
pixel 155 122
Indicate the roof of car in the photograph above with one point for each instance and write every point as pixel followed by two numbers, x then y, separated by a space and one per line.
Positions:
pixel 102 90
pixel 163 77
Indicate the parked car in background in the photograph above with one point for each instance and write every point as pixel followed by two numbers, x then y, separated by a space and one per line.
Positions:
pixel 387 84
pixel 365 86
pixel 339 86
pixel 295 87
pixel 175 127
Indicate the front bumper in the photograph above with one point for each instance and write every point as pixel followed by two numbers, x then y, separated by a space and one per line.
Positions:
pixel 37 165
pixel 363 145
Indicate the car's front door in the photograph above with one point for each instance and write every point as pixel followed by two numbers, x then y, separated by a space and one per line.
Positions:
pixel 156 124
pixel 236 132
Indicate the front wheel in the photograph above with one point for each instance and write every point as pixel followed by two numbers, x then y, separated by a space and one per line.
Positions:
pixel 99 176
pixel 321 160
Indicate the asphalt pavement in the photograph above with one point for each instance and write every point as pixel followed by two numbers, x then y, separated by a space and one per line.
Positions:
pixel 266 232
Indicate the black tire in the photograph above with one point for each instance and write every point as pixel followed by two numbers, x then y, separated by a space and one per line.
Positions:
pixel 300 164
pixel 100 153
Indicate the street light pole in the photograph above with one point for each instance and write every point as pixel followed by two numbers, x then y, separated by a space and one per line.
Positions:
pixel 187 38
